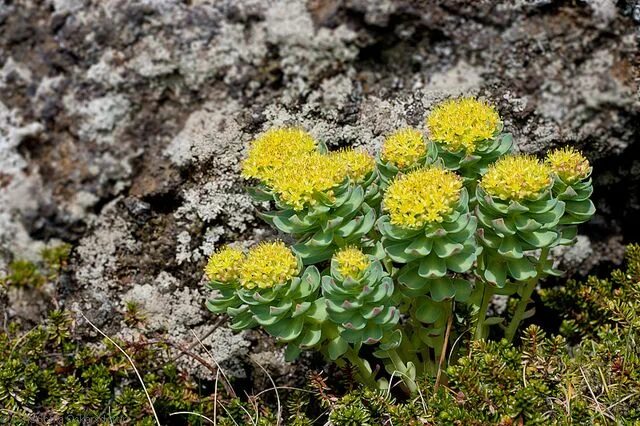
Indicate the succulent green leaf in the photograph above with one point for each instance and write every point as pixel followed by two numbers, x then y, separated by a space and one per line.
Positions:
pixel 495 272
pixel 318 311
pixel 510 247
pixel 526 224
pixel 421 246
pixel 444 248
pixel 286 330
pixel 442 289
pixel 521 269
pixel 411 279
pixel 336 348
pixel 432 267
pixel 391 340
pixel 321 238
pixel 396 251
pixel 463 261
pixel 352 204
pixel 291 353
pixel 310 338
pixel 300 309
pixel 539 239
pixel 463 289
pixel 428 311
pixel 503 227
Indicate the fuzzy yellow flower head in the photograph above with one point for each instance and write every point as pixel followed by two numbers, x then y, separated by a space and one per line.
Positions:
pixel 224 265
pixel 517 178
pixel 268 265
pixel 302 179
pixel 460 124
pixel 423 196
pixel 270 151
pixel 351 262
pixel 404 148
pixel 569 164
pixel 357 163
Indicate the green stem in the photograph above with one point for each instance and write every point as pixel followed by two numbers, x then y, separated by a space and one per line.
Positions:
pixel 524 300
pixel 363 367
pixel 487 293
pixel 400 367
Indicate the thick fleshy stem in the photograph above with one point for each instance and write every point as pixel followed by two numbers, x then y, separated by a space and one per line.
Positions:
pixel 366 373
pixel 524 300
pixel 481 328
pixel 400 367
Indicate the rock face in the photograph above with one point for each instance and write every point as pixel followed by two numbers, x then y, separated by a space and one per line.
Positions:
pixel 123 123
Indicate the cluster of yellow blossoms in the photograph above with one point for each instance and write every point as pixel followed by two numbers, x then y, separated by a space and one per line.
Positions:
pixel 266 265
pixel 351 262
pixel 517 178
pixel 423 196
pixel 460 124
pixel 272 150
pixel 568 164
pixel 223 265
pixel 404 148
pixel 288 162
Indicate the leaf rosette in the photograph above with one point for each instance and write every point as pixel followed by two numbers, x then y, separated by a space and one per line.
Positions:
pixel 517 213
pixel 572 184
pixel 468 137
pixel 404 150
pixel 359 300
pixel 292 311
pixel 322 200
pixel 434 237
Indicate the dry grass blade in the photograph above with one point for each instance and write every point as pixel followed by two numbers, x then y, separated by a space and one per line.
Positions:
pixel 191 413
pixel 155 415
pixel 228 386
pixel 273 383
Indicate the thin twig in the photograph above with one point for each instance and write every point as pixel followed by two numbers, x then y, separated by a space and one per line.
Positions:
pixel 214 327
pixel 132 365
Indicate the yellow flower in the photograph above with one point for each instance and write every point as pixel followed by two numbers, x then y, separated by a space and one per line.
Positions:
pixel 358 163
pixel 270 151
pixel 569 164
pixel 267 265
pixel 224 265
pixel 351 262
pixel 517 178
pixel 300 181
pixel 423 196
pixel 460 124
pixel 404 148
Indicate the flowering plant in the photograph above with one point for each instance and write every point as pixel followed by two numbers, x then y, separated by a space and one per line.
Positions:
pixel 391 252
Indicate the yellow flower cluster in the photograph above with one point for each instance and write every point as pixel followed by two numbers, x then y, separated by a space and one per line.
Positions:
pixel 267 265
pixel 351 262
pixel 270 151
pixel 460 124
pixel 303 178
pixel 423 196
pixel 517 178
pixel 569 164
pixel 358 163
pixel 404 148
pixel 224 265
